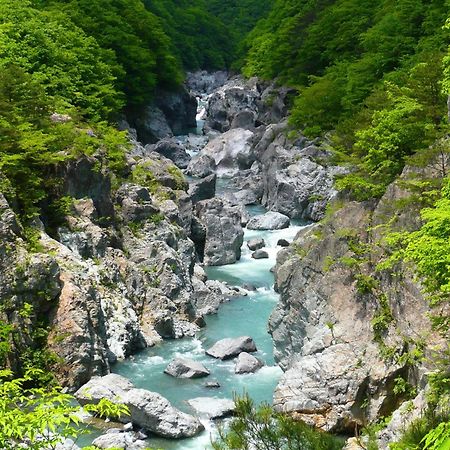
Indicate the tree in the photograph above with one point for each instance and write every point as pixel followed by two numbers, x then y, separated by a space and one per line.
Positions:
pixel 264 429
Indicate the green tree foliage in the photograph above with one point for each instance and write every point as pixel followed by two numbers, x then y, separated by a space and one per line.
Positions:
pixel 138 50
pixel 70 66
pixel 263 428
pixel 369 72
pixel 41 417
pixel 199 39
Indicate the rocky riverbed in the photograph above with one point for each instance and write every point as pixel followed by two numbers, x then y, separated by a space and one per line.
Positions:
pixel 144 277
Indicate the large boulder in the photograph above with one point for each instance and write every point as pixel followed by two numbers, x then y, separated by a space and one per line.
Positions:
pixel 201 166
pixel 223 231
pixel 153 412
pixel 203 189
pixel 247 363
pixel 256 244
pixel 228 102
pixel 213 408
pixel 269 221
pixel 172 149
pixel 231 347
pixel 186 368
pixel 231 151
pixel 148 410
pixel 260 254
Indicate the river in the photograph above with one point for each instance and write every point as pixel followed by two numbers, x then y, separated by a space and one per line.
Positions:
pixel 246 315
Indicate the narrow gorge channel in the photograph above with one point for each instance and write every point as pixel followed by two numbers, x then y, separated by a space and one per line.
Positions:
pixel 244 315
pixel 247 315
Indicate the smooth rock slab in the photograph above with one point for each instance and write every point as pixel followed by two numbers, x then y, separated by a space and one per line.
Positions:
pixel 148 410
pixel 213 408
pixel 269 221
pixel 260 254
pixel 256 244
pixel 186 368
pixel 247 363
pixel 231 347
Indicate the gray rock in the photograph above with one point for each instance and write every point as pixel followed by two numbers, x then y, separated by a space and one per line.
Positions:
pixel 256 244
pixel 249 287
pixel 135 202
pixel 223 231
pixel 260 254
pixel 151 125
pixel 179 108
pixel 203 82
pixel 201 166
pixel 246 197
pixel 67 444
pixel 154 413
pixel 231 347
pixel 186 368
pixel 228 102
pixel 213 408
pixel 231 151
pixel 203 189
pixel 269 221
pixel 173 150
pixel 148 410
pixel 213 384
pixel 244 119
pixel 283 243
pixel 117 439
pixel 247 363
pixel 172 112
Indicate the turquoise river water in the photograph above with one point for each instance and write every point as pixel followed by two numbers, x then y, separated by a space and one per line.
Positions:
pixel 246 315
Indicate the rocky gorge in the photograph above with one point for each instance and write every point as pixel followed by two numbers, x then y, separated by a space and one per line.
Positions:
pixel 135 267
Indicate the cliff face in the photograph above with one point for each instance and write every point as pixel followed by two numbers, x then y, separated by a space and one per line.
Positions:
pixel 345 331
pixel 116 277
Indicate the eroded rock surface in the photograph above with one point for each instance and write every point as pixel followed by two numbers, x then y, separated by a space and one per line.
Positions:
pixel 336 372
pixel 186 368
pixel 231 347
pixel 148 410
pixel 247 363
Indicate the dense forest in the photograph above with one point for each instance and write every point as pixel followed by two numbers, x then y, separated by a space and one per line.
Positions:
pixel 372 80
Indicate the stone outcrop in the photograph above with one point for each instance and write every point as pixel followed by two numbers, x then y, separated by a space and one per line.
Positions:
pixel 186 368
pixel 229 101
pixel 223 234
pixel 338 318
pixel 203 189
pixel 231 347
pixel 231 152
pixel 269 221
pixel 117 275
pixel 148 410
pixel 171 113
pixel 247 363
pixel 172 149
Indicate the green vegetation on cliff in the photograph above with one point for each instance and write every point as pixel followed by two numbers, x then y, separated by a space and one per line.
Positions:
pixel 370 72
